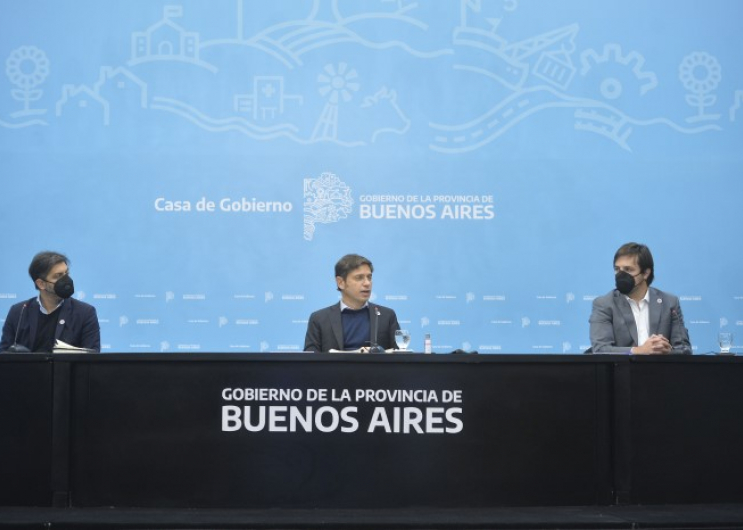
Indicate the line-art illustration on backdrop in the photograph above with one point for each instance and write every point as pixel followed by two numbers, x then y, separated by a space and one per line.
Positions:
pixel 204 164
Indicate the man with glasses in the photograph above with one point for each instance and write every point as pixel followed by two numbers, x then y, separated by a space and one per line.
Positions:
pixel 36 324
pixel 635 318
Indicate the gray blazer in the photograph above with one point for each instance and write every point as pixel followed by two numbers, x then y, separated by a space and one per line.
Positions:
pixel 613 328
pixel 325 330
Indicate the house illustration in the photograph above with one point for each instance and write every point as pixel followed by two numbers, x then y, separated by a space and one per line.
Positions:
pixel 165 39
pixel 122 87
pixel 116 88
pixel 82 101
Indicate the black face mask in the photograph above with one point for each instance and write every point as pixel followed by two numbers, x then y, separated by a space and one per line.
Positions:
pixel 625 282
pixel 64 287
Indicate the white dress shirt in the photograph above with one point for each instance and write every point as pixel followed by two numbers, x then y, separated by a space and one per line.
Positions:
pixel 641 312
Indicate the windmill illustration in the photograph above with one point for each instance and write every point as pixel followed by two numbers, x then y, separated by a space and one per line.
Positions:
pixel 337 85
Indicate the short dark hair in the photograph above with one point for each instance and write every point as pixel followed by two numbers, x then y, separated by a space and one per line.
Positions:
pixel 351 262
pixel 644 257
pixel 43 263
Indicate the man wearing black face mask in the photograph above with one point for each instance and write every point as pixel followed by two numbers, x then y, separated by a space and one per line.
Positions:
pixel 36 324
pixel 636 318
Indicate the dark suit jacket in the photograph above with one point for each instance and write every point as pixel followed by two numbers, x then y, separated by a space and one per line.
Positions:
pixel 325 330
pixel 77 325
pixel 613 328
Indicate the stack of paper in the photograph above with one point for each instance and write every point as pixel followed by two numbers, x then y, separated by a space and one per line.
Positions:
pixel 63 347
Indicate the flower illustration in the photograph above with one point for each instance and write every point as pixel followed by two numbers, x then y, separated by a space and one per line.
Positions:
pixel 700 73
pixel 27 67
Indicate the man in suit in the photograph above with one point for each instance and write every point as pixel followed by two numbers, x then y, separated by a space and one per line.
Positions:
pixel 36 324
pixel 353 323
pixel 636 318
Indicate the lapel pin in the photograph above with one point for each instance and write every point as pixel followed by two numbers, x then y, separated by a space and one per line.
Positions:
pixel 660 300
pixel 61 322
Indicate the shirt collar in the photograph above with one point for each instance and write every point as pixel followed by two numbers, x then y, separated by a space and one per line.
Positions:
pixel 344 307
pixel 43 309
pixel 645 298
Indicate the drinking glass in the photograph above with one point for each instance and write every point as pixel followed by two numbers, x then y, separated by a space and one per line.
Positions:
pixel 402 338
pixel 725 340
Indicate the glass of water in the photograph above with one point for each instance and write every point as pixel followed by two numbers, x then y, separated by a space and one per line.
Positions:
pixel 725 340
pixel 402 338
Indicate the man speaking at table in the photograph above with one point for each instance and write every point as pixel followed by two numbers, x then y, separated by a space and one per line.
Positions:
pixel 36 324
pixel 636 318
pixel 354 324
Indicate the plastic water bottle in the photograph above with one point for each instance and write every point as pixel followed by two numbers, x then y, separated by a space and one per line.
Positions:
pixel 427 343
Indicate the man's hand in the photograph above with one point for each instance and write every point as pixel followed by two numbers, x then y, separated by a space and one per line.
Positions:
pixel 655 345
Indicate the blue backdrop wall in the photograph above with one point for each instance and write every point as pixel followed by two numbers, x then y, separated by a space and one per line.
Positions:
pixel 205 163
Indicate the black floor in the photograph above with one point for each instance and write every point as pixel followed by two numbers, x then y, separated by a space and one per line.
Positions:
pixel 719 516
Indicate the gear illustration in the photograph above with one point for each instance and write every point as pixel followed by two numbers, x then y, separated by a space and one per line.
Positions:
pixel 615 74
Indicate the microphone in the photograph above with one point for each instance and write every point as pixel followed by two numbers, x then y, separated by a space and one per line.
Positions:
pixel 15 347
pixel 376 348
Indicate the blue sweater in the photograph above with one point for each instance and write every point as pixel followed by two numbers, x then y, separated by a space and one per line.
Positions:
pixel 356 328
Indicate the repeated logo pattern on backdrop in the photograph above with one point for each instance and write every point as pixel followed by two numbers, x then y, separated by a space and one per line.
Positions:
pixel 204 164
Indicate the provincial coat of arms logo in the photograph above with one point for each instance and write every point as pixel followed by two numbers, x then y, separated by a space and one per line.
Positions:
pixel 327 199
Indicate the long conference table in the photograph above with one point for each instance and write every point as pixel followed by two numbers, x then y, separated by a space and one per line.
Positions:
pixel 345 431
